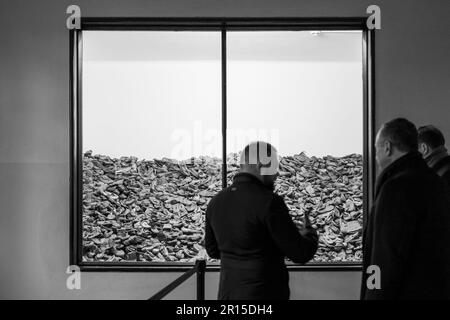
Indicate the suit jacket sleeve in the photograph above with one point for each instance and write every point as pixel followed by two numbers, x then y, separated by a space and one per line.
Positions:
pixel 393 227
pixel 210 239
pixel 298 246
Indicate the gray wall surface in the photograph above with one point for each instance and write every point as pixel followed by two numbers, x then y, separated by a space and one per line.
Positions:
pixel 412 80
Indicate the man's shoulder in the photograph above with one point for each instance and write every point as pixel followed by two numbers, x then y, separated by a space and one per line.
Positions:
pixel 442 162
pixel 400 180
pixel 262 196
pixel 218 195
pixel 412 177
pixel 443 165
pixel 246 189
pixel 276 198
pixel 446 177
pixel 413 184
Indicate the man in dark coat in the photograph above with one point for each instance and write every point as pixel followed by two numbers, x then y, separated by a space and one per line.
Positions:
pixel 432 148
pixel 248 227
pixel 407 234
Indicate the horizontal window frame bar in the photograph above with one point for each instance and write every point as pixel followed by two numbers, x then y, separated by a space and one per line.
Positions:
pixel 210 267
pixel 218 23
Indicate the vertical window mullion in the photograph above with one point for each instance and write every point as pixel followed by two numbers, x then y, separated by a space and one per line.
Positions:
pixel 224 108
pixel 79 152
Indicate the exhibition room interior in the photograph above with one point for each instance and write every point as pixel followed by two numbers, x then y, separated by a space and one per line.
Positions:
pixel 120 132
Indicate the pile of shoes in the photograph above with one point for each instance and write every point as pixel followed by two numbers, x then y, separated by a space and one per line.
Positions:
pixel 153 210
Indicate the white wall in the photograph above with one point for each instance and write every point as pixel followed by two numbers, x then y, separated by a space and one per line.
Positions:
pixel 158 94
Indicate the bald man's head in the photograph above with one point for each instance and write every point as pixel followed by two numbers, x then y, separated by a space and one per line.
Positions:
pixel 261 160
pixel 395 139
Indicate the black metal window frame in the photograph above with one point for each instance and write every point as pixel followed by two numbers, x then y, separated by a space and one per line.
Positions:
pixel 222 25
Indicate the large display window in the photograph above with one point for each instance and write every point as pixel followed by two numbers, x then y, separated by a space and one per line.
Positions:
pixel 161 109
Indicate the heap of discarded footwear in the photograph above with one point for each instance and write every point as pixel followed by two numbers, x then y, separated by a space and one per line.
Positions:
pixel 153 210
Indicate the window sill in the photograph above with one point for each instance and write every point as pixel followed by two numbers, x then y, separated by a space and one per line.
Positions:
pixel 211 267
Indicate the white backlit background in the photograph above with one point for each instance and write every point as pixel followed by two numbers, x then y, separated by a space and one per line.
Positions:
pixel 158 94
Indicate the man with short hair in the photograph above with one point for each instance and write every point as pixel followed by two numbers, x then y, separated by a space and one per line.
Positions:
pixel 432 148
pixel 407 233
pixel 248 227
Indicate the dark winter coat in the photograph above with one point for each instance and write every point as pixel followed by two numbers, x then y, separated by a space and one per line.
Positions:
pixel 249 228
pixel 442 168
pixel 408 233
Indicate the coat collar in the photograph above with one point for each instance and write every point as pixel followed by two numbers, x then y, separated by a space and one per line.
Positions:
pixel 436 156
pixel 241 177
pixel 412 160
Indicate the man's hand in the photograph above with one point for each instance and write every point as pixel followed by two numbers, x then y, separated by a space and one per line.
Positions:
pixel 306 221
pixel 306 229
pixel 304 225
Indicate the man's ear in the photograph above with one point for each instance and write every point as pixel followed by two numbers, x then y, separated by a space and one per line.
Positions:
pixel 423 148
pixel 388 147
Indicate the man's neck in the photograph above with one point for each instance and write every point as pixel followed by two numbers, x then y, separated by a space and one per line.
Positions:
pixel 251 172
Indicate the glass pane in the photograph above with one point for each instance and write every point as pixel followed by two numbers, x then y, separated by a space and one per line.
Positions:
pixel 151 143
pixel 302 91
